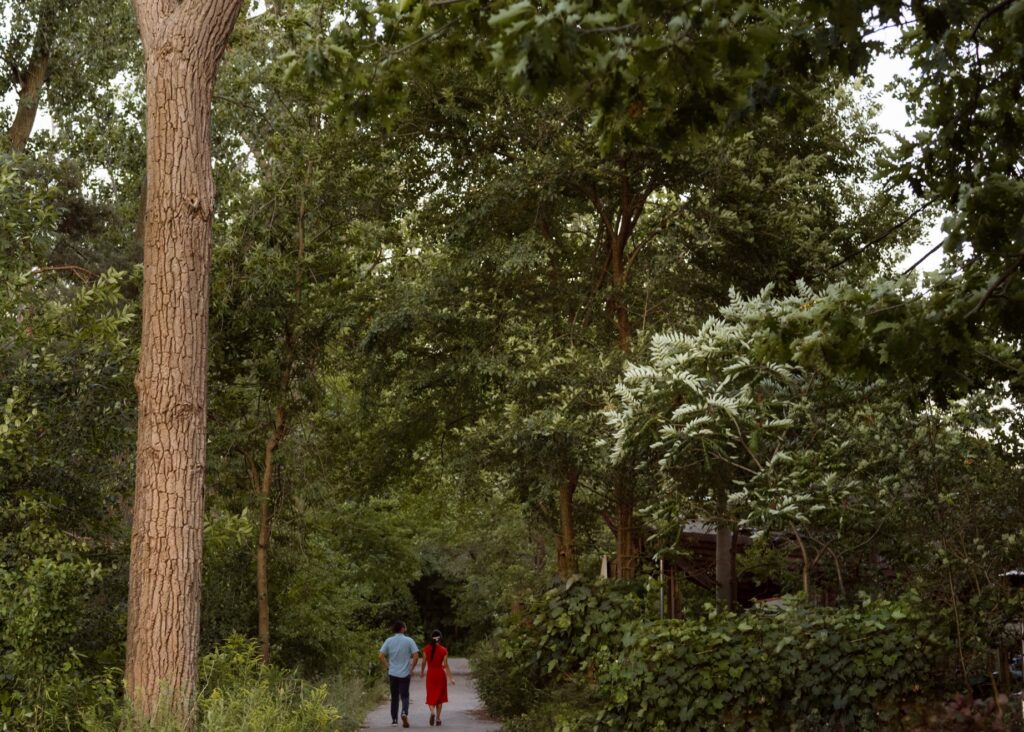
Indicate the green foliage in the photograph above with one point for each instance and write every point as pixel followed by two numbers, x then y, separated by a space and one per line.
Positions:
pixel 64 440
pixel 565 709
pixel 555 636
pixel 29 225
pixel 814 668
pixel 416 267
pixel 59 31
pixel 239 692
pixel 504 679
pixel 46 578
pixel 245 694
pixel 617 60
pixel 965 154
pixel 568 626
pixel 591 657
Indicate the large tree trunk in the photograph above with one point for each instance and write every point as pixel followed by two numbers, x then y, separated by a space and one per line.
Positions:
pixel 32 81
pixel 567 564
pixel 183 44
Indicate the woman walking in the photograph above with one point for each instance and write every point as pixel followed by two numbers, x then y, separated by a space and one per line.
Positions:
pixel 438 676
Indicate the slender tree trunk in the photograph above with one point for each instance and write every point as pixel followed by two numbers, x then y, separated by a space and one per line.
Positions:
pixel 627 545
pixel 32 81
pixel 619 229
pixel 616 305
pixel 724 575
pixel 724 556
pixel 274 441
pixel 567 565
pixel 805 562
pixel 183 43
pixel 625 528
pixel 263 541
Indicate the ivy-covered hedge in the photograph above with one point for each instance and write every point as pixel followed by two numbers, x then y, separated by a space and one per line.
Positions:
pixel 866 666
pixel 859 667
pixel 552 639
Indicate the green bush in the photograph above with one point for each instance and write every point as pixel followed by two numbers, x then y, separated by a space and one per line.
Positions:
pixel 504 681
pixel 240 693
pixel 859 667
pixel 568 708
pixel 45 580
pixel 591 657
pixel 555 636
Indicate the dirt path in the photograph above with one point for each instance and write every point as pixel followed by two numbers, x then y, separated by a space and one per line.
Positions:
pixel 464 711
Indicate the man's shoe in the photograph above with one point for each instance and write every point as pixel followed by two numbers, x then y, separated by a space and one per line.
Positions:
pixel 405 720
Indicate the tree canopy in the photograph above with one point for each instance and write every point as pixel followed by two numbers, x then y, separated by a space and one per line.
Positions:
pixel 587 328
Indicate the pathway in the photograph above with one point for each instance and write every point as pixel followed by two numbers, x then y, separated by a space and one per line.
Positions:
pixel 464 710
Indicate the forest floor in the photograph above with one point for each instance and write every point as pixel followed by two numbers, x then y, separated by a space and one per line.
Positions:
pixel 464 710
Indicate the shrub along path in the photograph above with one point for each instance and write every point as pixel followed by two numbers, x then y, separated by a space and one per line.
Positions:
pixel 464 711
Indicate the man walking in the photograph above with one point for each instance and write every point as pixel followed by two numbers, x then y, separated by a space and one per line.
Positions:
pixel 399 655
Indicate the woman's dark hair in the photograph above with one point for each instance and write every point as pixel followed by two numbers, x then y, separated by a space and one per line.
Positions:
pixel 398 626
pixel 434 638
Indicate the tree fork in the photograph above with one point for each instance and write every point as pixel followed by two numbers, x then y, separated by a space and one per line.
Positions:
pixel 618 231
pixel 183 43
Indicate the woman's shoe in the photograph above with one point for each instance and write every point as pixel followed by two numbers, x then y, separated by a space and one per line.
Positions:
pixel 431 720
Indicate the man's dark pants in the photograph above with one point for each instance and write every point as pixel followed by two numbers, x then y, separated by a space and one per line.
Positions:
pixel 399 688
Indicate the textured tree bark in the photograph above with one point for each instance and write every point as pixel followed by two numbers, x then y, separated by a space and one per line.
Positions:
pixel 183 43
pixel 567 564
pixel 32 81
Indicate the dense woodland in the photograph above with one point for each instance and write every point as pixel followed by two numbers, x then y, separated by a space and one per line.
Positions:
pixel 315 315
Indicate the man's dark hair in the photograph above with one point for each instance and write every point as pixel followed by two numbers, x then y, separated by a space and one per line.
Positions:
pixel 398 626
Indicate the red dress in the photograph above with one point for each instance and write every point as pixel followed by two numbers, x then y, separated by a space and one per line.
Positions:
pixel 437 680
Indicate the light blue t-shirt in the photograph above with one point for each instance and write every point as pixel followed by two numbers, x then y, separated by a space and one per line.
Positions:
pixel 399 649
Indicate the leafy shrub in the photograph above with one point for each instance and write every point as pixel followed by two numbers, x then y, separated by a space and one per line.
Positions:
pixel 238 692
pixel 859 667
pixel 241 693
pixel 45 579
pixel 504 681
pixel 556 635
pixel 590 657
pixel 569 708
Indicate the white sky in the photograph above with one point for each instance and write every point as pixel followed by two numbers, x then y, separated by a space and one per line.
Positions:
pixel 893 117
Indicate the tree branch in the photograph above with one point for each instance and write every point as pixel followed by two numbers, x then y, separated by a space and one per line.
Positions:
pixel 996 285
pixel 998 7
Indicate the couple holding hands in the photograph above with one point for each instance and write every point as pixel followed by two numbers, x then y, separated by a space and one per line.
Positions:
pixel 400 655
